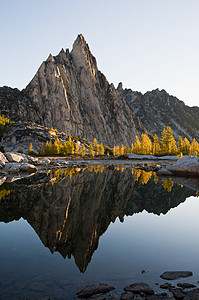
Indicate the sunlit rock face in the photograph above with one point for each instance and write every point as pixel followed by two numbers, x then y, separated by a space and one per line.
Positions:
pixel 73 96
pixel 157 110
pixel 71 209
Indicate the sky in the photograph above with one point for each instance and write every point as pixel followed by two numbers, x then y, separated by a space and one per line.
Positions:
pixel 145 44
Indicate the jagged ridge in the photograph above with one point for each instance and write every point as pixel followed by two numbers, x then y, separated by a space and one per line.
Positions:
pixel 157 109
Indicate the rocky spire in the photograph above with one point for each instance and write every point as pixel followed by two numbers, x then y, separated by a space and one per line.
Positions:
pixel 81 54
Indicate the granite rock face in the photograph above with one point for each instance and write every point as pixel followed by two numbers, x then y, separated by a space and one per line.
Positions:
pixel 73 96
pixel 157 110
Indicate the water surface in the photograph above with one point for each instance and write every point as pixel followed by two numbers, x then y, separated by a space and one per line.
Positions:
pixel 63 230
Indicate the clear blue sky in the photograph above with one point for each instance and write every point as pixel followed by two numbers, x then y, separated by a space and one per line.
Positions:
pixel 146 44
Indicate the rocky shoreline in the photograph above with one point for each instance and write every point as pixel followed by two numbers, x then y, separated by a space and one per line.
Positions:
pixel 12 163
pixel 142 291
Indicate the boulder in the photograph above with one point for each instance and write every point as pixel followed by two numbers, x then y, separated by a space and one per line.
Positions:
pixel 44 161
pixel 139 156
pixel 61 162
pixel 186 285
pixel 27 168
pixel 19 167
pixel 12 167
pixel 139 287
pixel 185 165
pixel 13 157
pixel 172 275
pixel 2 179
pixel 94 289
pixel 168 157
pixel 164 171
pixel 166 285
pixel 127 296
pixel 3 159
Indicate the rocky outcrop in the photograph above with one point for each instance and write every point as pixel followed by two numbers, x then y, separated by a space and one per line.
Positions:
pixel 157 110
pixel 17 105
pixel 70 94
pixel 21 134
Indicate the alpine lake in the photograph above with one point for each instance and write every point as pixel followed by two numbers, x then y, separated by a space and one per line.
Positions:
pixel 66 228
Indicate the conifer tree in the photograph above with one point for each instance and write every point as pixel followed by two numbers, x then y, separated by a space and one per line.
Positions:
pixel 70 146
pixel 117 150
pixel 146 145
pixel 132 148
pixel 101 149
pixel 90 150
pixel 137 146
pixel 186 146
pixel 56 147
pixel 180 145
pixel 96 147
pixel 122 150
pixel 30 151
pixel 168 142
pixel 194 148
pixel 76 148
pixel 156 145
pixel 114 150
pixel 83 150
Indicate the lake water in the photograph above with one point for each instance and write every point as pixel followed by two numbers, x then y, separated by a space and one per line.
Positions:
pixel 63 230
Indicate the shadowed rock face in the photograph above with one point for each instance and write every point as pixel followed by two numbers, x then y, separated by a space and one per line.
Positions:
pixel 70 215
pixel 157 110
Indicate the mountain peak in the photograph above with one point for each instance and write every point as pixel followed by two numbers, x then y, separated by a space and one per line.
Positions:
pixel 80 42
pixel 82 55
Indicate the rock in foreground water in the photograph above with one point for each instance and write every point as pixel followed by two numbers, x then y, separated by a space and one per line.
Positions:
pixel 172 275
pixel 93 289
pixel 139 287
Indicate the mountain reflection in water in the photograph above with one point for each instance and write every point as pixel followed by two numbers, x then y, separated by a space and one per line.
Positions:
pixel 70 209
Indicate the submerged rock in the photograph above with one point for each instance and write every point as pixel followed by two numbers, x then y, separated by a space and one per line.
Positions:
pixel 172 275
pixel 127 296
pixel 166 285
pixel 186 285
pixel 139 287
pixel 94 289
